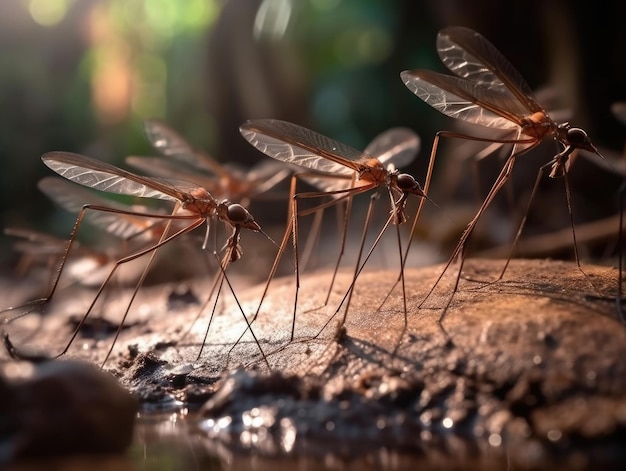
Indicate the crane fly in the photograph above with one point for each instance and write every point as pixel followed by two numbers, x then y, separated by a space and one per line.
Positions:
pixel 122 224
pixel 180 159
pixel 192 204
pixel 40 249
pixel 353 172
pixel 88 268
pixel 133 231
pixel 395 147
pixel 475 152
pixel 186 162
pixel 487 90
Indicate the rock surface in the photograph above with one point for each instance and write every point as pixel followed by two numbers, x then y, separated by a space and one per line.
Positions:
pixel 531 368
pixel 58 408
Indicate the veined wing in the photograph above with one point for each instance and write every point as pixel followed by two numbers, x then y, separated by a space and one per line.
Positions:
pixel 171 144
pixel 165 170
pixel 106 177
pixel 36 243
pixel 396 146
pixel 295 144
pixel 462 99
pixel 470 56
pixel 156 167
pixel 265 175
pixel 266 169
pixel 72 198
pixel 329 183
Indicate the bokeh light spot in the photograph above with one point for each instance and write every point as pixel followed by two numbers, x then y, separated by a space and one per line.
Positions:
pixel 363 47
pixel 374 45
pixel 48 12
pixel 331 105
pixel 272 18
pixel 325 5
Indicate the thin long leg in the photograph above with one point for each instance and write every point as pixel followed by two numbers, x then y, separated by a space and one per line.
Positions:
pixel 344 233
pixel 420 206
pixel 504 175
pixel 45 300
pixel 292 230
pixel 346 194
pixel 368 219
pixel 404 305
pixel 289 231
pixel 460 248
pixel 317 223
pixel 283 245
pixel 214 285
pixel 568 195
pixel 281 249
pixel 220 279
pixel 136 290
pixel 232 244
pixel 120 262
pixel 348 294
pixel 520 228
pixel 248 323
pixel 312 239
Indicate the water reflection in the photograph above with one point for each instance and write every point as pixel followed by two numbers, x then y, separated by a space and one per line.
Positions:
pixel 180 441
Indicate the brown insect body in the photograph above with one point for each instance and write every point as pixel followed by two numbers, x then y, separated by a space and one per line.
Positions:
pixel 487 90
pixel 200 202
pixel 194 205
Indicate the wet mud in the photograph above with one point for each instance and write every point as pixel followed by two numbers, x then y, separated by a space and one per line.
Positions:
pixel 528 371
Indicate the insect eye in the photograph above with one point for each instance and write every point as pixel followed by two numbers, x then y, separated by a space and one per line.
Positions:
pixel 406 182
pixel 237 213
pixel 577 136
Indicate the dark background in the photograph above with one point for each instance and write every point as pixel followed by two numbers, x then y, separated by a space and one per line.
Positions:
pixel 84 79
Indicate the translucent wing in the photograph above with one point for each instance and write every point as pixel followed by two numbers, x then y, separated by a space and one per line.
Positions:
pixel 157 167
pixel 171 144
pixel 266 169
pixel 106 177
pixel 295 144
pixel 267 174
pixel 396 146
pixel 72 198
pixel 36 243
pixel 462 99
pixel 472 57
pixel 328 183
pixel 40 248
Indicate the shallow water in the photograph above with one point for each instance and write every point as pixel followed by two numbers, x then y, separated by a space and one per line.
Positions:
pixel 530 379
pixel 173 442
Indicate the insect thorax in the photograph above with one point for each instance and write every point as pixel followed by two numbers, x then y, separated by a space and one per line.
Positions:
pixel 374 171
pixel 538 125
pixel 200 202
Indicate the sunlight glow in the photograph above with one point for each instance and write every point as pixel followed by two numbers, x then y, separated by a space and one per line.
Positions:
pixel 48 12
pixel 150 77
pixel 363 46
pixel 272 18
pixel 110 84
pixel 171 17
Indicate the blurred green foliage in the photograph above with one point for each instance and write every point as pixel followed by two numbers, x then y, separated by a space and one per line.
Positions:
pixel 80 75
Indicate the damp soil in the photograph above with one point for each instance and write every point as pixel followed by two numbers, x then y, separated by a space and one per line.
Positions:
pixel 528 371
